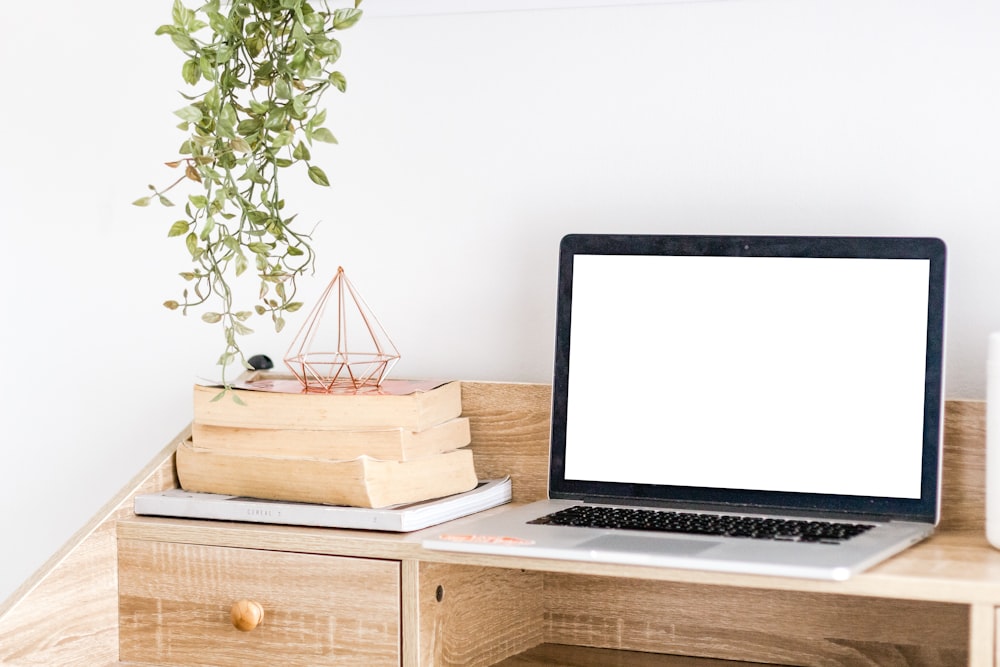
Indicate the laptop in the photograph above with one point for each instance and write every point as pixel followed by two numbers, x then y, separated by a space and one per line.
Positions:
pixel 748 404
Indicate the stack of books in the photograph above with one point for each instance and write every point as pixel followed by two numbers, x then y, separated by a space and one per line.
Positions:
pixel 402 442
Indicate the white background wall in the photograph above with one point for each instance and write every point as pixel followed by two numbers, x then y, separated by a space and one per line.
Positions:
pixel 468 145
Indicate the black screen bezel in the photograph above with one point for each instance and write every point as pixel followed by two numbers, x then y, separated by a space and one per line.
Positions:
pixel 925 508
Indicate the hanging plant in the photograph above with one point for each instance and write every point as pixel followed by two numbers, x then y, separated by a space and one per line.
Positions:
pixel 258 69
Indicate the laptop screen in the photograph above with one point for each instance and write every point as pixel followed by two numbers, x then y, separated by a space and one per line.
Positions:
pixel 770 372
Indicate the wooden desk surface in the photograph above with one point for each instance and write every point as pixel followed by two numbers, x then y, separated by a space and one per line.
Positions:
pixel 947 586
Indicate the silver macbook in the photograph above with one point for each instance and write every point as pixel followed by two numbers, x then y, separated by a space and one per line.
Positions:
pixel 765 405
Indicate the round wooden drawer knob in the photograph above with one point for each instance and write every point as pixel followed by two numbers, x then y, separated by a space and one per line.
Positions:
pixel 246 615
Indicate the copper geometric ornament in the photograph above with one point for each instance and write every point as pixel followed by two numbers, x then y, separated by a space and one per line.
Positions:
pixel 354 352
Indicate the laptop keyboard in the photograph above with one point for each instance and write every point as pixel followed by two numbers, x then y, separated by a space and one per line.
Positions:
pixel 696 523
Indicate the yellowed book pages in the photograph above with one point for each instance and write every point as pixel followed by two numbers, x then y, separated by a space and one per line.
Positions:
pixel 387 443
pixel 361 482
pixel 416 410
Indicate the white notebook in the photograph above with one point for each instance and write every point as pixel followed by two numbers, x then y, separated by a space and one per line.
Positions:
pixel 397 518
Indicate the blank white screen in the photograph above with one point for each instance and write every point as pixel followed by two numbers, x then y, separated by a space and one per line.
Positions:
pixel 778 374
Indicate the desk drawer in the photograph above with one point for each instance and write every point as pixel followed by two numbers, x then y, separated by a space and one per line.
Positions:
pixel 175 603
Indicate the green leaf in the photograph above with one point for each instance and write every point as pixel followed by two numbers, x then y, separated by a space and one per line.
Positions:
pixel 198 201
pixel 243 315
pixel 324 135
pixel 279 324
pixel 178 228
pixel 142 201
pixel 180 14
pixel 211 318
pixel 345 18
pixel 330 49
pixel 228 115
pixel 241 264
pixel 282 139
pixel 164 200
pixel 282 90
pixel 339 81
pixel 206 231
pixel 249 126
pixel 242 329
pixel 191 241
pixel 276 120
pixel 301 152
pixel 318 176
pixel 259 248
pixel 220 25
pixel 240 145
pixel 190 113
pixel 295 252
pixel 293 306
pixel 255 45
pixel 183 42
pixel 191 72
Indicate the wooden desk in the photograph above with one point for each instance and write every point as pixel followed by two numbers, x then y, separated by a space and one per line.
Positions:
pixel 360 598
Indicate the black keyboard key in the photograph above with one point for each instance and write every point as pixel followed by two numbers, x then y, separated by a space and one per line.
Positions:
pixel 697 523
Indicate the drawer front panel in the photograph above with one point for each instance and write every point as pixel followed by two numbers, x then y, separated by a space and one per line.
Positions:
pixel 176 600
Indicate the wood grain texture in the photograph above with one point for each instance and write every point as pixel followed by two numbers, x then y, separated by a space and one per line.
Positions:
pixel 67 613
pixel 963 497
pixel 774 627
pixel 533 605
pixel 510 433
pixel 475 616
pixel 176 602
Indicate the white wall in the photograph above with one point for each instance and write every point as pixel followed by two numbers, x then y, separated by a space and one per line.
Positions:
pixel 469 144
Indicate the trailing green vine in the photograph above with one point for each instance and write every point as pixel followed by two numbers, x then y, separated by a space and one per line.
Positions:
pixel 260 68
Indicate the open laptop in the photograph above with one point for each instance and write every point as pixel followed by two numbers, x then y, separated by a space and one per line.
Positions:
pixel 766 405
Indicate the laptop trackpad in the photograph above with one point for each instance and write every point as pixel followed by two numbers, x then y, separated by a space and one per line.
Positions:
pixel 665 546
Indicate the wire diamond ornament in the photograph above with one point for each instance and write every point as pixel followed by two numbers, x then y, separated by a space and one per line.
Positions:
pixel 353 353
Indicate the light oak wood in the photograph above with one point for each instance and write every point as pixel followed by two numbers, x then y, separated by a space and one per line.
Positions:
pixel 963 505
pixel 176 604
pixel 935 604
pixel 246 615
pixel 982 635
pixel 757 625
pixel 510 434
pixel 67 612
pixel 477 616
